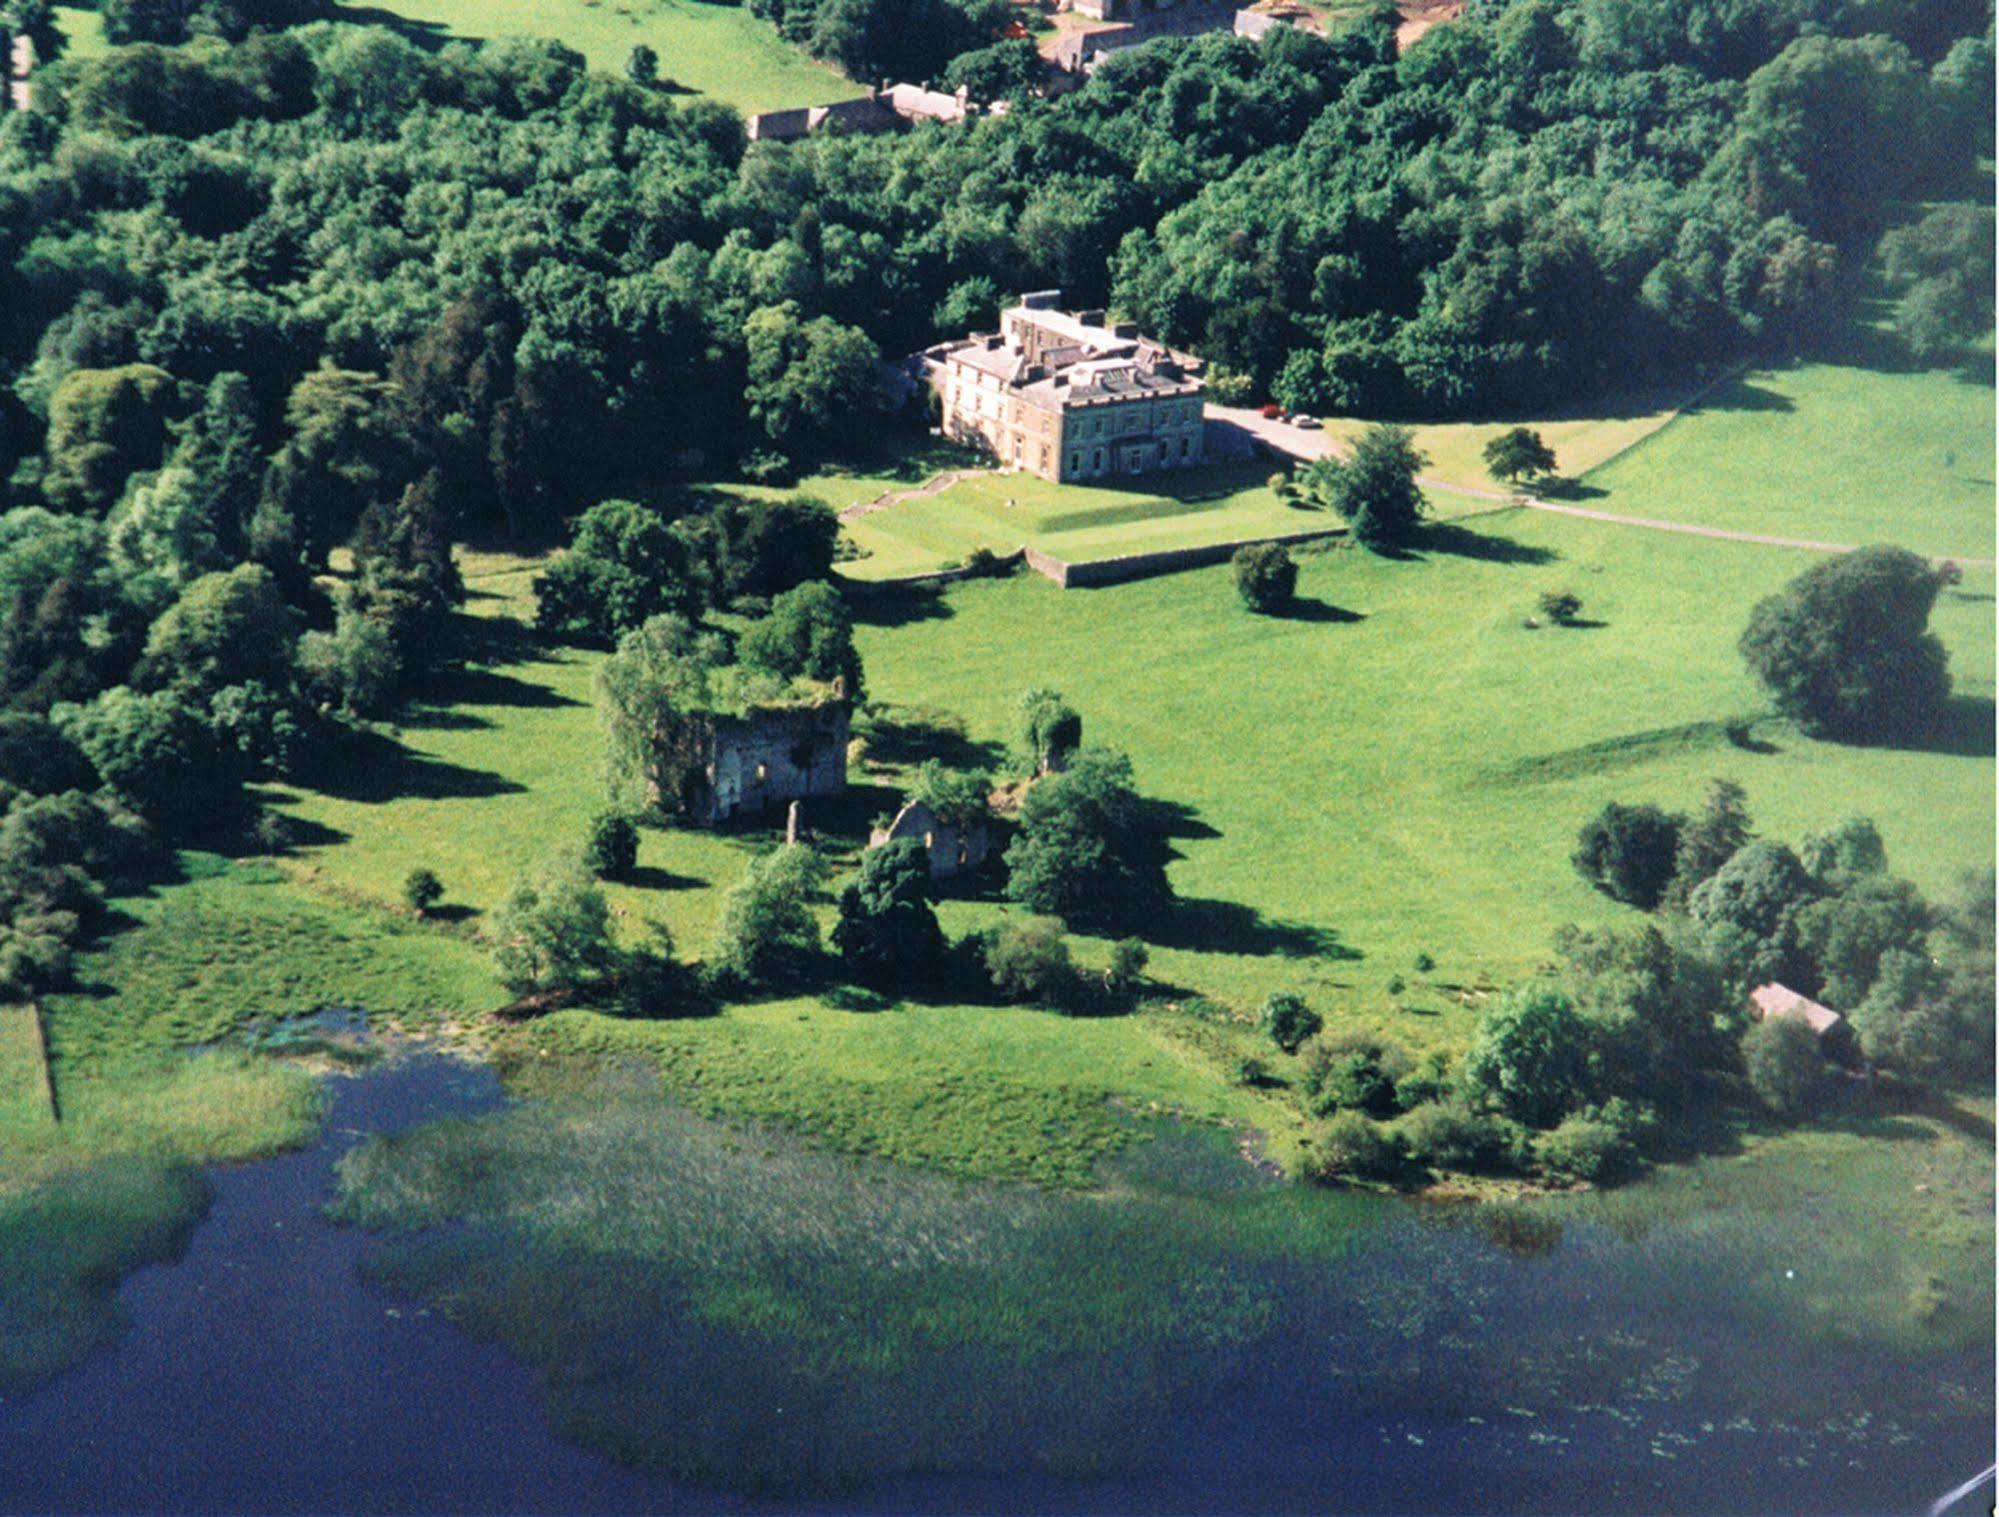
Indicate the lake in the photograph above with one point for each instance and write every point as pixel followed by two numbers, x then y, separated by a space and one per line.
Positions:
pixel 612 1305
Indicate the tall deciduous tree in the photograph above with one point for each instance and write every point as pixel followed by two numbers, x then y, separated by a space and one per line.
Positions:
pixel 1845 649
pixel 1375 491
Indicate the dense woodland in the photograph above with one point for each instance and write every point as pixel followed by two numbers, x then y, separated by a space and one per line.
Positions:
pixel 280 295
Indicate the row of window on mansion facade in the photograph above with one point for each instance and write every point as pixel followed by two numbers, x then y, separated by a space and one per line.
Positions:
pixel 1063 395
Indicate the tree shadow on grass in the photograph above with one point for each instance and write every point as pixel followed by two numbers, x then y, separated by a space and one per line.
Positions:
pixel 1560 487
pixel 1487 547
pixel 1966 728
pixel 1308 609
pixel 908 735
pixel 1741 395
pixel 428 718
pixel 1202 925
pixel 428 35
pixel 451 914
pixel 372 769
pixel 488 687
pixel 900 606
pixel 646 877
pixel 1175 820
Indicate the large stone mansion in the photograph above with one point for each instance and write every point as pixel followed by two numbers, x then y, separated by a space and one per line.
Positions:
pixel 1062 395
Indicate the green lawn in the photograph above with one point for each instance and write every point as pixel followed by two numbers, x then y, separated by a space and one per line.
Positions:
pixel 84 29
pixel 1455 450
pixel 1412 780
pixel 1076 523
pixel 1824 452
pixel 23 1108
pixel 718 50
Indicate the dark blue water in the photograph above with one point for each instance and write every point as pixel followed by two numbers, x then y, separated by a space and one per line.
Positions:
pixel 1424 1371
pixel 259 1374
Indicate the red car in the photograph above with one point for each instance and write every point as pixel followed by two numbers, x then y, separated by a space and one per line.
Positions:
pixel 1270 413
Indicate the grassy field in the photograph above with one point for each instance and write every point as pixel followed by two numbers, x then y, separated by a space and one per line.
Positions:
pixel 1824 452
pixel 1582 442
pixel 720 51
pixel 24 1109
pixel 85 30
pixel 1399 769
pixel 1076 523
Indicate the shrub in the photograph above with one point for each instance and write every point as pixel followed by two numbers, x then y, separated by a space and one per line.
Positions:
pixel 1265 577
pixel 554 931
pixel 1279 484
pixel 1253 1073
pixel 1356 1083
pixel 1129 957
pixel 1786 1070
pixel 422 890
pixel 1352 1146
pixel 1428 1081
pixel 1089 850
pixel 1449 1135
pixel 1591 1145
pixel 1424 963
pixel 767 934
pixel 1028 960
pixel 1560 607
pixel 1289 1021
pixel 611 850
pixel 887 933
pixel 1629 853
pixel 1530 1056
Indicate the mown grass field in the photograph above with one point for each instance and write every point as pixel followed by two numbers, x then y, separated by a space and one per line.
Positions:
pixel 720 51
pixel 24 1108
pixel 1825 452
pixel 1582 441
pixel 84 29
pixel 1076 523
pixel 1399 769
pixel 1225 502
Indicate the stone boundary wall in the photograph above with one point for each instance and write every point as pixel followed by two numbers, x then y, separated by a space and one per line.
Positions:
pixel 1113 571
pixel 1103 571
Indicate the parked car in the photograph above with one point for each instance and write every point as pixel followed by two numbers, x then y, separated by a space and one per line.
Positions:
pixel 1309 423
pixel 1270 413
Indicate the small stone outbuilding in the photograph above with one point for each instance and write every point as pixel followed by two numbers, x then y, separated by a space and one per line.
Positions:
pixel 954 847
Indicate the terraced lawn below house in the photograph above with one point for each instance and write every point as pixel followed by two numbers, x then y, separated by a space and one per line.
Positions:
pixel 1076 523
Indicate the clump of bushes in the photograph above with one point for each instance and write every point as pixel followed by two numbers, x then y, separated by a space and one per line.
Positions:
pixel 1353 1073
pixel 1447 1134
pixel 1594 1144
pixel 1353 1147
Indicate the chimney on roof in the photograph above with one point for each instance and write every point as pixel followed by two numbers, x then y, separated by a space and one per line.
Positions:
pixel 1042 300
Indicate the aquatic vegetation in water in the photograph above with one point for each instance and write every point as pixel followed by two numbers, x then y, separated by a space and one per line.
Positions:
pixel 63 1248
pixel 732 1307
